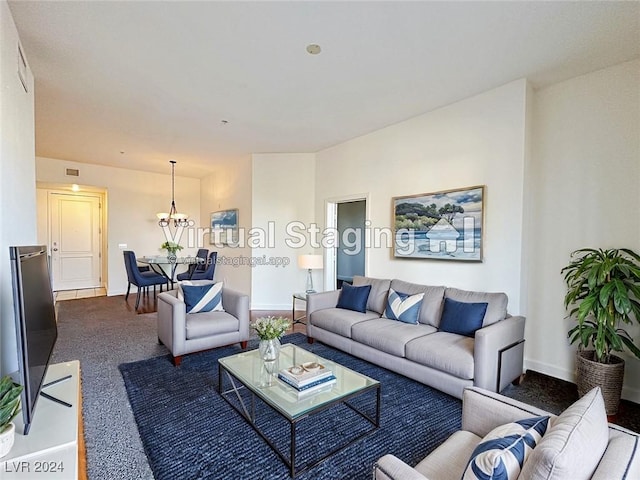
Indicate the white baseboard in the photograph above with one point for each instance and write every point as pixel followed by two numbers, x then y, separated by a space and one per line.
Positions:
pixel 271 306
pixel 628 393
pixel 550 370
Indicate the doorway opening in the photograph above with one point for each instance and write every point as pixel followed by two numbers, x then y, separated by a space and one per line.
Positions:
pixel 347 216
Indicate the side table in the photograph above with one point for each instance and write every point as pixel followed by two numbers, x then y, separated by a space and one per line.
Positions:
pixel 301 297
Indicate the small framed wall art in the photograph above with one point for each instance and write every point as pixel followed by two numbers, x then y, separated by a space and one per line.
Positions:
pixel 445 225
pixel 224 227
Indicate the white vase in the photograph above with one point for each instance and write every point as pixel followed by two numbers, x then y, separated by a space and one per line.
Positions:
pixel 6 439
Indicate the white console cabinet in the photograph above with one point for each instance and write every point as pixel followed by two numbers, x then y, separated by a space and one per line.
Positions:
pixel 50 451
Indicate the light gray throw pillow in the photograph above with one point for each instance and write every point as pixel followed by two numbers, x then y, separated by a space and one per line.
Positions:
pixel 574 445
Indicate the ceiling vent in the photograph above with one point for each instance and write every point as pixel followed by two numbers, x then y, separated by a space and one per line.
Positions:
pixel 72 172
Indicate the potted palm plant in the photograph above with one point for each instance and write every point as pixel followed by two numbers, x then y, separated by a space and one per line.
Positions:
pixel 603 295
pixel 9 408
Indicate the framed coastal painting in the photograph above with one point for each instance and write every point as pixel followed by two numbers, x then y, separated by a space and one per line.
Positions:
pixel 445 225
pixel 224 227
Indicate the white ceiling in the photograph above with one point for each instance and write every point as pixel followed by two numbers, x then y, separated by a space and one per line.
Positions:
pixel 155 79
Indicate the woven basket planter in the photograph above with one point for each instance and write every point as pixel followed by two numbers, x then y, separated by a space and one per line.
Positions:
pixel 607 376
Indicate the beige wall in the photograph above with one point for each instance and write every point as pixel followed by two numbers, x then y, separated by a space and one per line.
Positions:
pixel 562 170
pixel 17 176
pixel 478 141
pixel 585 181
pixel 133 199
pixel 230 187
pixel 283 192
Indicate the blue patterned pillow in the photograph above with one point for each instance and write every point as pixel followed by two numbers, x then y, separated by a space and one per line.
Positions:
pixel 202 298
pixel 502 452
pixel 403 307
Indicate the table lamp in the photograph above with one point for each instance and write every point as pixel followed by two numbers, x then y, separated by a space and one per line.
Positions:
pixel 310 262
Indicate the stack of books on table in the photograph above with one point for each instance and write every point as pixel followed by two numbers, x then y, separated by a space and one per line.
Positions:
pixel 308 378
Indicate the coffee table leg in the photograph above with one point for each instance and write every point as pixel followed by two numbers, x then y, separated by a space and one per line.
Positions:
pixel 293 449
pixel 378 406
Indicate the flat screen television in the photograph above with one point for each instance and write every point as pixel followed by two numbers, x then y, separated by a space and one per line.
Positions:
pixel 35 317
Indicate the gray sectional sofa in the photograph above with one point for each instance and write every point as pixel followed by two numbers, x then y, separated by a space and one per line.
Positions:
pixel 447 361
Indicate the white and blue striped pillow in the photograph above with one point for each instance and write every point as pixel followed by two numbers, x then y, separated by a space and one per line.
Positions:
pixel 403 307
pixel 201 298
pixel 502 452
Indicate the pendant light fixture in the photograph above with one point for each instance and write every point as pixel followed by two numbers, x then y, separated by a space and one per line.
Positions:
pixel 179 219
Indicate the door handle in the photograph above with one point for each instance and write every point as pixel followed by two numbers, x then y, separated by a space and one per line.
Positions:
pixel 55 249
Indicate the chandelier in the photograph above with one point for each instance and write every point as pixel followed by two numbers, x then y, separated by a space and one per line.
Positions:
pixel 179 219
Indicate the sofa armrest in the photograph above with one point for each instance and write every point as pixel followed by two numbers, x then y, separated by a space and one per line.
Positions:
pixel 507 335
pixel 621 459
pixel 322 300
pixel 237 304
pixel 391 467
pixel 172 322
pixel 482 410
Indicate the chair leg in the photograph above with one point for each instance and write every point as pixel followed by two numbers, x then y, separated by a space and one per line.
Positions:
pixel 138 299
pixel 127 295
pixel 243 345
pixel 177 360
pixel 310 340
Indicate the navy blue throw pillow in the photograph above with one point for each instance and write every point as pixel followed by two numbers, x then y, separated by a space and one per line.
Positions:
pixel 462 318
pixel 354 298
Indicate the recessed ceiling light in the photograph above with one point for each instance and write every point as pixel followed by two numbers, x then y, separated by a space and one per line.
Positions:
pixel 313 49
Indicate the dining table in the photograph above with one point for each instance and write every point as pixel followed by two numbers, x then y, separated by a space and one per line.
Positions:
pixel 160 265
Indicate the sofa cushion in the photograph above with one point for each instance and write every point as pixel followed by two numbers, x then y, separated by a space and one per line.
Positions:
pixel 354 298
pixel 502 452
pixel 210 323
pixel 339 320
pixel 202 298
pixel 448 461
pixel 496 303
pixel 462 318
pixel 379 289
pixel 431 303
pixel 403 307
pixel 575 443
pixel 448 352
pixel 389 336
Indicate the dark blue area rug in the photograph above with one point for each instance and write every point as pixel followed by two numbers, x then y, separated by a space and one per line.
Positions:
pixel 190 432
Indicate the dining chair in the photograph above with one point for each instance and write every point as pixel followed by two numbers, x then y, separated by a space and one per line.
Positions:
pixel 141 279
pixel 210 269
pixel 195 267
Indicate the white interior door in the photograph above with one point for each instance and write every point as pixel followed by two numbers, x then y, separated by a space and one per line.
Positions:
pixel 75 241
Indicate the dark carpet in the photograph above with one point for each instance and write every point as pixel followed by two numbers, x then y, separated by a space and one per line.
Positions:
pixel 103 333
pixel 189 431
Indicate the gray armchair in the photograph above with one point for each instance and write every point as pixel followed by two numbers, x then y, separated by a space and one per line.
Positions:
pixel 184 333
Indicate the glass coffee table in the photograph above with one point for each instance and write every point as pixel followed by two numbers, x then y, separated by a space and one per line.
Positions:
pixel 243 379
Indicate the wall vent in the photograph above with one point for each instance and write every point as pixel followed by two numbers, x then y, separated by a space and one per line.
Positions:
pixel 72 172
